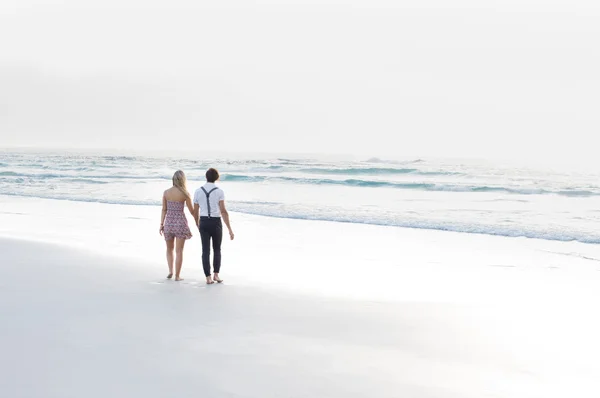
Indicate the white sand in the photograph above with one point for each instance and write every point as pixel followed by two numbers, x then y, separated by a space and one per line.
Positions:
pixel 445 315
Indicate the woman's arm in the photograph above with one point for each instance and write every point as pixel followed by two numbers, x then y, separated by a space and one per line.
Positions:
pixel 163 214
pixel 225 216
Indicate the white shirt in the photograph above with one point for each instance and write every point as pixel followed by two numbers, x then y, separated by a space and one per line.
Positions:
pixel 215 197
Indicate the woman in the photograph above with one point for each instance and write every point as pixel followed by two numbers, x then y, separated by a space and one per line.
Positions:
pixel 173 224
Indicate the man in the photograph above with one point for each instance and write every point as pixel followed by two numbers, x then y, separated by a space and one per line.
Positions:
pixel 209 205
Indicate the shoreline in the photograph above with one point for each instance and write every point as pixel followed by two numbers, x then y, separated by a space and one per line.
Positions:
pixel 478 231
pixel 329 259
pixel 14 199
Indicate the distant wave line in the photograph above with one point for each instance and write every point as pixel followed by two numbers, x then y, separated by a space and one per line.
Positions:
pixel 409 185
pixel 373 171
pixel 431 187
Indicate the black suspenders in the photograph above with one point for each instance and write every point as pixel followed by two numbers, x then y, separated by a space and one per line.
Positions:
pixel 207 196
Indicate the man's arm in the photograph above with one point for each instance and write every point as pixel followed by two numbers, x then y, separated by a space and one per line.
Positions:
pixel 196 210
pixel 196 213
pixel 225 217
pixel 192 210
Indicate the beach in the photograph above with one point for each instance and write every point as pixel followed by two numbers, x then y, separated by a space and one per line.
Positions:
pixel 308 308
pixel 414 191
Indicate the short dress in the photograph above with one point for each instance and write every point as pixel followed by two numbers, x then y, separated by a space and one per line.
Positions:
pixel 176 224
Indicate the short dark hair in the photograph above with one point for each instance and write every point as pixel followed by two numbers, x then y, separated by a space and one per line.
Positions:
pixel 212 175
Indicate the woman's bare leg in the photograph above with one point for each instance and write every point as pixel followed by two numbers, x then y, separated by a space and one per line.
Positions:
pixel 170 245
pixel 179 243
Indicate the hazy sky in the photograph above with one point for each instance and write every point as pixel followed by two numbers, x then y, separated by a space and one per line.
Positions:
pixel 514 78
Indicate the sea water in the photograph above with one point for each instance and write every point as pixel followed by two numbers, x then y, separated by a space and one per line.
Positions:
pixel 455 195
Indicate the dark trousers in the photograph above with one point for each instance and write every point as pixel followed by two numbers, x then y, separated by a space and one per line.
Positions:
pixel 211 228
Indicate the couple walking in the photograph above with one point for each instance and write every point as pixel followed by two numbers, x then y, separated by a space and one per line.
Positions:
pixel 208 208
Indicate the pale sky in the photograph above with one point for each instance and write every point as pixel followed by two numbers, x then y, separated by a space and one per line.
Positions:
pixel 507 78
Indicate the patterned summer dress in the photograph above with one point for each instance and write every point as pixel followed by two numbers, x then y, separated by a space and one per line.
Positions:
pixel 176 225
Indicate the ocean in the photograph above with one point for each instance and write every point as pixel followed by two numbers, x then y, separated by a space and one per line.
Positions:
pixel 463 196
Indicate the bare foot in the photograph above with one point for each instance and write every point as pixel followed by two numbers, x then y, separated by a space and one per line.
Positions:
pixel 209 280
pixel 217 279
pixel 178 278
pixel 170 276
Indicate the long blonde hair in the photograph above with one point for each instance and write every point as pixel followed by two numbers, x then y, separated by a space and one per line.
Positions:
pixel 180 182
